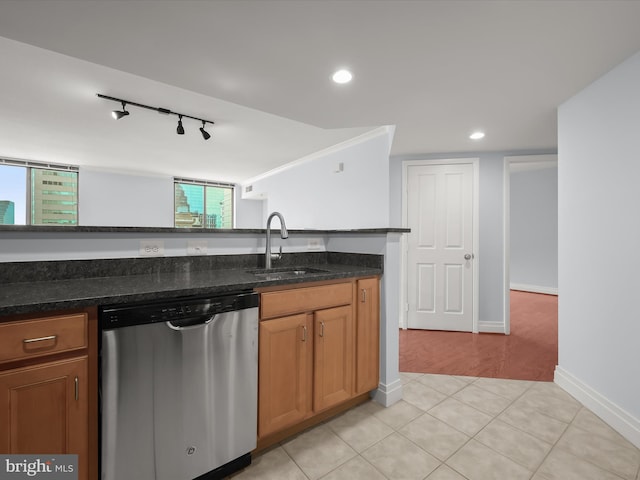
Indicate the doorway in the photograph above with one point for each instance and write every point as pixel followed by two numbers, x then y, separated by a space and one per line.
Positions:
pixel 533 223
pixel 504 355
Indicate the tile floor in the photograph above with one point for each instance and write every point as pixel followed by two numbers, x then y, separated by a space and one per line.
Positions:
pixel 457 428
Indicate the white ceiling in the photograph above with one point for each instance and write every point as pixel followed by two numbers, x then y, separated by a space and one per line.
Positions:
pixel 261 70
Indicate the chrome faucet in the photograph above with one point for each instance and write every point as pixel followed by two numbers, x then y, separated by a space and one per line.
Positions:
pixel 268 256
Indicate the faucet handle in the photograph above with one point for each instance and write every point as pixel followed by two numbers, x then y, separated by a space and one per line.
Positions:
pixel 277 256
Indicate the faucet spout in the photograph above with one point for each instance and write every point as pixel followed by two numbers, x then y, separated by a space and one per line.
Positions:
pixel 268 256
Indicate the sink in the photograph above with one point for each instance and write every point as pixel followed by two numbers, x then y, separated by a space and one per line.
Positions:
pixel 285 272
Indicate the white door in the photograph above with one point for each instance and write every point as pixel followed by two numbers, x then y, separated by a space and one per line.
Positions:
pixel 440 256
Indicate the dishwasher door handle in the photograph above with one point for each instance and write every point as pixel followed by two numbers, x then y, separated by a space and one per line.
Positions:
pixel 189 324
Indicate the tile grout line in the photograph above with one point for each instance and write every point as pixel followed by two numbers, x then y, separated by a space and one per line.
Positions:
pixel 551 450
pixel 281 445
pixel 587 459
pixel 553 445
pixel 359 454
pixel 376 468
pixel 495 417
pixel 471 437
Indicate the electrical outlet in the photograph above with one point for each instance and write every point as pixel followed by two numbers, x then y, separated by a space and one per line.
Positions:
pixel 314 244
pixel 151 248
pixel 197 247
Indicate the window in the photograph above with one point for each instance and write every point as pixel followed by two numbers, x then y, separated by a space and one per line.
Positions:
pixel 201 204
pixel 38 194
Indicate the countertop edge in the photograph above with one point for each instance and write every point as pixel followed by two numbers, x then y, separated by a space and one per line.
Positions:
pixel 170 230
pixel 38 305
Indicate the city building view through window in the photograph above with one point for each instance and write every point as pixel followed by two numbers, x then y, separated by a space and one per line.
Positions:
pixel 199 205
pixel 38 196
pixel 13 195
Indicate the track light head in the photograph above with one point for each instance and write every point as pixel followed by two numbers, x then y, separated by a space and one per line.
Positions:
pixel 118 114
pixel 180 129
pixel 206 135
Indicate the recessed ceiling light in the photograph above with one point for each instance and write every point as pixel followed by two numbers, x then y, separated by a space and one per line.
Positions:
pixel 342 76
pixel 476 135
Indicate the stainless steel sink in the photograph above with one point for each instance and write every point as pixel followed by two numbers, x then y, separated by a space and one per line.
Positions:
pixel 285 272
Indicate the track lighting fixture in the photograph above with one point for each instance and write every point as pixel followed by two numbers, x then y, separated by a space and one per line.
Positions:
pixel 118 114
pixel 206 135
pixel 180 129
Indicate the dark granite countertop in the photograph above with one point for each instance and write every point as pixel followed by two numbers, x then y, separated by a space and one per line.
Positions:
pixel 27 297
pixel 169 230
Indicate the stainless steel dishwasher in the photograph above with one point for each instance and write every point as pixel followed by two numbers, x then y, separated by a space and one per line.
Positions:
pixel 178 387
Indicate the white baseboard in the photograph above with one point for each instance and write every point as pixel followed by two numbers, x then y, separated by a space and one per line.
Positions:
pixel 523 287
pixel 620 420
pixel 490 327
pixel 388 394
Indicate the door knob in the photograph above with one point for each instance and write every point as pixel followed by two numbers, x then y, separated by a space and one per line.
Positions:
pixel 468 256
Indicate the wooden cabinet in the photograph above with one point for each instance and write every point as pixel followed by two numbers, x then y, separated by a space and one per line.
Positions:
pixel 315 352
pixel 44 408
pixel 333 357
pixel 367 334
pixel 48 394
pixel 285 373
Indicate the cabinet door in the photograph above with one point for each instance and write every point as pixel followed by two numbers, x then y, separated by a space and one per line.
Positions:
pixel 367 335
pixel 333 357
pixel 285 372
pixel 44 410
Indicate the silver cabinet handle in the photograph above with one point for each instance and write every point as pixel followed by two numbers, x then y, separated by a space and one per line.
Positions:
pixel 364 295
pixel 39 339
pixel 304 333
pixel 322 329
pixel 77 389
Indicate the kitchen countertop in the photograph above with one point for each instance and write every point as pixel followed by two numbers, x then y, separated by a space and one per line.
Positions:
pixel 170 230
pixel 27 297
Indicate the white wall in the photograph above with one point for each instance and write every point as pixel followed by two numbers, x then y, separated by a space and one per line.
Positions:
pixel 249 213
pixel 36 246
pixel 111 199
pixel 534 227
pixel 599 235
pixel 313 193
pixel 114 199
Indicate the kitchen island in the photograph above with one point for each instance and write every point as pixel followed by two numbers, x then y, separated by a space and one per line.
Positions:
pixel 50 335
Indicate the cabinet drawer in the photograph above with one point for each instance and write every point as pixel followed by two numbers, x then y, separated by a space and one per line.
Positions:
pixel 305 299
pixel 44 336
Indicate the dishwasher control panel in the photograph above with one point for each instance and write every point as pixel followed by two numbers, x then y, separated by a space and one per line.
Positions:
pixel 187 309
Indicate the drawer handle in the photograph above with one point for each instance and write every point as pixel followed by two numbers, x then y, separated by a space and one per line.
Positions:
pixel 40 339
pixel 77 388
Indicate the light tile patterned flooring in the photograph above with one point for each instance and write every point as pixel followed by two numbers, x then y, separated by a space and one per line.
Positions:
pixel 456 428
